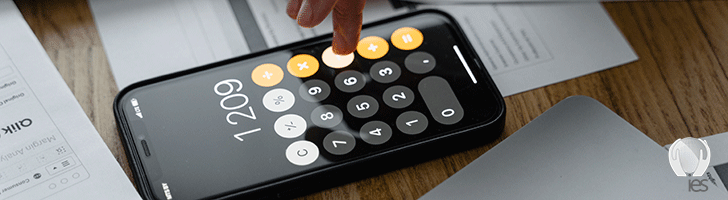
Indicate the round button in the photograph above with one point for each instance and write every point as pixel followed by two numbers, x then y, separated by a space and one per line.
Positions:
pixel 314 90
pixel 398 96
pixel 76 175
pixel 362 106
pixel 290 126
pixel 349 81
pixel 303 65
pixel 372 47
pixel 326 116
pixel 412 122
pixel 339 142
pixel 407 38
pixel 267 75
pixel 385 71
pixel 278 100
pixel 375 132
pixel 336 61
pixel 64 181
pixel 52 186
pixel 302 153
pixel 420 62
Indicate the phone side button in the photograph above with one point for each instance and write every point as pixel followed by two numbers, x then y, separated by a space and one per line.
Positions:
pixel 302 153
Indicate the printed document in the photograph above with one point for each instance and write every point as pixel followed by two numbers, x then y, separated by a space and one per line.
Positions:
pixel 524 46
pixel 48 147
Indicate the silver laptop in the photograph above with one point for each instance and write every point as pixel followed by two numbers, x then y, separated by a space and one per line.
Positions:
pixel 578 149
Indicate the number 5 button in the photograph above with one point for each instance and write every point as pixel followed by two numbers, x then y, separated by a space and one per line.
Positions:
pixel 362 106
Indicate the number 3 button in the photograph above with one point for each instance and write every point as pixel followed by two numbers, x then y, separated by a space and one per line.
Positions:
pixel 326 116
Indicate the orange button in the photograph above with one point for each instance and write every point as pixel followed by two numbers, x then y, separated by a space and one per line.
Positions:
pixel 303 65
pixel 267 75
pixel 336 61
pixel 372 47
pixel 407 38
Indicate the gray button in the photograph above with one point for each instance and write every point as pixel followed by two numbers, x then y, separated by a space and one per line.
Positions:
pixel 314 90
pixel 349 81
pixel 419 62
pixel 441 100
pixel 362 106
pixel 375 132
pixel 326 116
pixel 385 71
pixel 398 96
pixel 339 142
pixel 412 122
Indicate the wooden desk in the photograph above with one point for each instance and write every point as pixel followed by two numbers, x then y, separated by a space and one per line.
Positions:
pixel 678 87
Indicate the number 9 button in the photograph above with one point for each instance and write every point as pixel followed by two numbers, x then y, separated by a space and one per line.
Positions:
pixel 314 90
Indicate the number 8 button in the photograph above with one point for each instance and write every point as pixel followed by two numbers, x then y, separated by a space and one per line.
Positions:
pixel 326 116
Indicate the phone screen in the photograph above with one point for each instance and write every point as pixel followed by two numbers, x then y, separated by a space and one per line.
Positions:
pixel 263 119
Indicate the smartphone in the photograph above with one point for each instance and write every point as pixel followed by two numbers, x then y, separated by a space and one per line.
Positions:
pixel 299 118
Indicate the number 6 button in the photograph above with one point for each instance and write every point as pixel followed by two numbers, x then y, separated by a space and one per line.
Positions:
pixel 349 81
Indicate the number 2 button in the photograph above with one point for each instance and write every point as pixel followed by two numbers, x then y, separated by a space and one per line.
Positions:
pixel 398 96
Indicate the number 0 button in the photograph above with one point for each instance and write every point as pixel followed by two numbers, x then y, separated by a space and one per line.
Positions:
pixel 362 106
pixel 314 90
pixel 398 96
pixel 349 81
pixel 326 116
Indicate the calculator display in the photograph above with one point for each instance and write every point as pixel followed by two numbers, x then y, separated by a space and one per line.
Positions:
pixel 266 118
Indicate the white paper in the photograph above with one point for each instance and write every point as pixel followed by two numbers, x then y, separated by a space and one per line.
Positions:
pixel 527 46
pixel 524 46
pixel 144 39
pixel 48 147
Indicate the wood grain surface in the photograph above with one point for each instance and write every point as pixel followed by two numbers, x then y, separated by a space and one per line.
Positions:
pixel 678 87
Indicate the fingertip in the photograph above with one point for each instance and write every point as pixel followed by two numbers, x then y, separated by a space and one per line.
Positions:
pixel 342 45
pixel 292 8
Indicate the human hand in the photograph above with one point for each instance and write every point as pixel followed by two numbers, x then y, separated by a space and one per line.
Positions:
pixel 347 19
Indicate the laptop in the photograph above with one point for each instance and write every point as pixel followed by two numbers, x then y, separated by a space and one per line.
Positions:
pixel 578 149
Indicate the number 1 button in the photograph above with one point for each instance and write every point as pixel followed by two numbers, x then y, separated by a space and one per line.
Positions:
pixel 412 122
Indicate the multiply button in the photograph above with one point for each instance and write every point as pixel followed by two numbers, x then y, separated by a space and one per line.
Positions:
pixel 372 47
pixel 303 65
pixel 441 100
pixel 398 96
pixel 362 106
pixel 349 81
pixel 339 142
pixel 375 132
pixel 314 90
pixel 420 62
pixel 385 71
pixel 278 100
pixel 326 116
pixel 412 122
pixel 302 153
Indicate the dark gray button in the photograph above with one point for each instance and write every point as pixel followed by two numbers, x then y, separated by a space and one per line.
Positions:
pixel 398 96
pixel 362 106
pixel 339 142
pixel 385 71
pixel 412 122
pixel 375 132
pixel 441 100
pixel 314 90
pixel 326 116
pixel 349 81
pixel 420 62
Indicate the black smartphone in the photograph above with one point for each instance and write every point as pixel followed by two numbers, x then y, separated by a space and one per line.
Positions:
pixel 298 118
